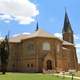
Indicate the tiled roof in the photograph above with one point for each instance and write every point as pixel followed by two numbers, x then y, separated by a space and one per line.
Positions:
pixel 67 43
pixel 18 38
pixel 38 33
pixel 41 33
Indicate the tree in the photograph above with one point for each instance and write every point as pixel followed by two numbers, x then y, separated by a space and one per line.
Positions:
pixel 4 53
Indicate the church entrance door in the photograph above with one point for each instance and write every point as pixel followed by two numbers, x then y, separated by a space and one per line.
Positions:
pixel 49 65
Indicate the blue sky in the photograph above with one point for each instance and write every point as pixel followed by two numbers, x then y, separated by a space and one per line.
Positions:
pixel 18 18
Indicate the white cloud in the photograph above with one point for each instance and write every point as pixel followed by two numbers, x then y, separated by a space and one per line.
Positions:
pixel 76 37
pixel 78 60
pixel 3 17
pixel 24 33
pixel 78 54
pixel 7 21
pixel 59 35
pixel 77 45
pixel 15 35
pixel 1 38
pixel 24 20
pixel 21 11
pixel 78 50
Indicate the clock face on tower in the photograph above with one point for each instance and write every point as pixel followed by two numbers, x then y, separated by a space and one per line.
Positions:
pixel 30 47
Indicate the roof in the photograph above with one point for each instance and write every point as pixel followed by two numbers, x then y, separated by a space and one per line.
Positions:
pixel 38 33
pixel 18 38
pixel 64 48
pixel 41 33
pixel 67 43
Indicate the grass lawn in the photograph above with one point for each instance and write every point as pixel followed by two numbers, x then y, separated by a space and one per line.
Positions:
pixel 32 76
pixel 77 74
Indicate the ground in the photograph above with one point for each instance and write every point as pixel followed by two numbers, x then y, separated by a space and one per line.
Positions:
pixel 77 74
pixel 32 76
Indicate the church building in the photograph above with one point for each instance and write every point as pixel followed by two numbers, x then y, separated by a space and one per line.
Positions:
pixel 41 51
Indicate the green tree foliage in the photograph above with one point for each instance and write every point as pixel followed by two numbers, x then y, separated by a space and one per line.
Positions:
pixel 4 53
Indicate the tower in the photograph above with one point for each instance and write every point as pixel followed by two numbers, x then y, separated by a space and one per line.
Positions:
pixel 37 27
pixel 67 30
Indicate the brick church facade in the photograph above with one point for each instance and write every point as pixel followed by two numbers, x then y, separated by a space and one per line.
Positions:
pixel 41 51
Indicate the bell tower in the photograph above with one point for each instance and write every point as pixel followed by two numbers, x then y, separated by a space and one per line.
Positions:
pixel 67 30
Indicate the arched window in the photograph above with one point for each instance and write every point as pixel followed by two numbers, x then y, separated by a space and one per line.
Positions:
pixel 46 46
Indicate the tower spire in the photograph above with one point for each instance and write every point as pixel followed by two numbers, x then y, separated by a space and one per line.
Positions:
pixel 67 30
pixel 37 26
pixel 67 25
